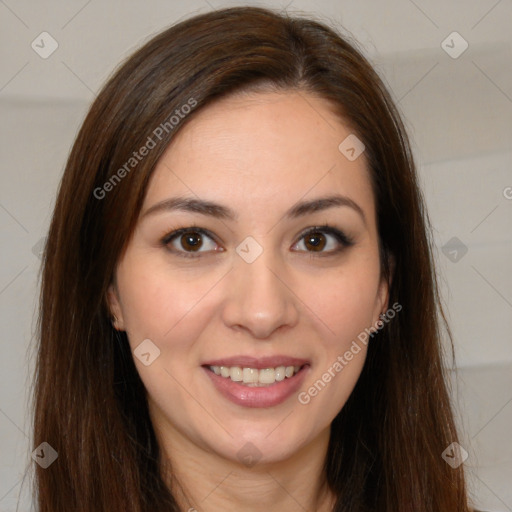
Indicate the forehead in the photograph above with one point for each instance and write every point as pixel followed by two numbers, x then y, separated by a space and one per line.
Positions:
pixel 262 152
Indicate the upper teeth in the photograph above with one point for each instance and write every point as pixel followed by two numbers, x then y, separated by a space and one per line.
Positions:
pixel 253 375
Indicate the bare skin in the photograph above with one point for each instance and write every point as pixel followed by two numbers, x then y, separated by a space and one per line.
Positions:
pixel 258 154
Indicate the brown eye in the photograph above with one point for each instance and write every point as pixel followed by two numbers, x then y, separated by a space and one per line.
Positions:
pixel 315 240
pixel 191 241
pixel 324 240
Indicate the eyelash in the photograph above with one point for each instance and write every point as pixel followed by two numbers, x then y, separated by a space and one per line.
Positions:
pixel 341 237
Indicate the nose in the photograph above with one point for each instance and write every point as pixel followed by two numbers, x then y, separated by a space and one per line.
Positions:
pixel 261 299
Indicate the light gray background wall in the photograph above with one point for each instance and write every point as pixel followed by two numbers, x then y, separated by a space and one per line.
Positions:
pixel 459 115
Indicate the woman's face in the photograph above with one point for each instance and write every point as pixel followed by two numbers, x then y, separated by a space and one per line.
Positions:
pixel 254 284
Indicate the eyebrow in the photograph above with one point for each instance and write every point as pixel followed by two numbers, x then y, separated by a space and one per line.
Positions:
pixel 209 208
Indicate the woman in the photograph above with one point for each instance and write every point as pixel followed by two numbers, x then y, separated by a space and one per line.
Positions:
pixel 239 303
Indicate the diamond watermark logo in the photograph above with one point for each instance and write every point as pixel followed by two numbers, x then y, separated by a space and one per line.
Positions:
pixel 249 250
pixel 38 248
pixel 454 249
pixel 454 455
pixel 44 45
pixel 454 45
pixel 146 352
pixel 249 454
pixel 44 455
pixel 351 147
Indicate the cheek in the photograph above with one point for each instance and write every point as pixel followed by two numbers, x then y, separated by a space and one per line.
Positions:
pixel 327 392
pixel 341 352
pixel 343 302
pixel 163 305
pixel 345 307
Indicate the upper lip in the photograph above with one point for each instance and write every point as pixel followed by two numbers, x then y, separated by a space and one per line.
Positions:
pixel 258 362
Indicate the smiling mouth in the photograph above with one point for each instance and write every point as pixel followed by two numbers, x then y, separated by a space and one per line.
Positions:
pixel 254 377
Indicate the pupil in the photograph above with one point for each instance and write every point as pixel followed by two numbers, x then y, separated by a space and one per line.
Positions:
pixel 191 240
pixel 319 243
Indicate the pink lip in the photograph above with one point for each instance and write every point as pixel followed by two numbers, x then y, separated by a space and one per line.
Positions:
pixel 268 396
pixel 257 362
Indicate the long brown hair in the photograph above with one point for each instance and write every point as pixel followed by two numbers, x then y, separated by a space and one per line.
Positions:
pixel 89 402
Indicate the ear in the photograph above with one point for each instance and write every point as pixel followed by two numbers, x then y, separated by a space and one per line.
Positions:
pixel 114 306
pixel 384 286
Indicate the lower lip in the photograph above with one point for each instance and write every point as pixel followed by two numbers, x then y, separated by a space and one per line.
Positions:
pixel 267 396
